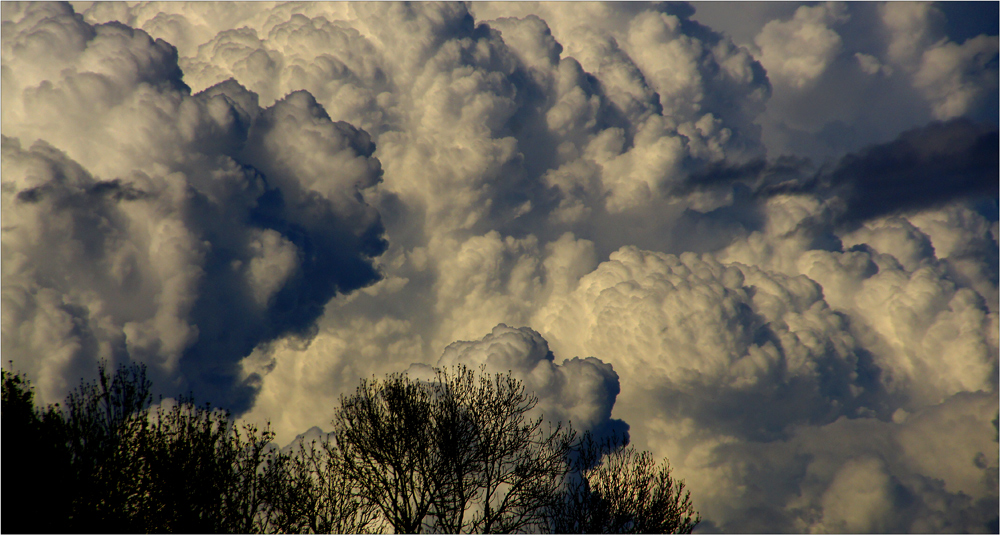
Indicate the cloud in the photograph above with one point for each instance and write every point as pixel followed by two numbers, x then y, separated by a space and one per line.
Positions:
pixel 877 69
pixel 538 139
pixel 913 27
pixel 930 336
pixel 797 52
pixel 724 344
pixel 958 78
pixel 924 167
pixel 154 225
pixel 303 381
pixel 763 253
pixel 581 391
pixel 711 355
pixel 867 475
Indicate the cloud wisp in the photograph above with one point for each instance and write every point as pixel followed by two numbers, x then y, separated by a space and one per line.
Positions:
pixel 765 242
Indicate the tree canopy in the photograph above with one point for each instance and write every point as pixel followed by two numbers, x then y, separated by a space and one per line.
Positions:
pixel 455 454
pixel 460 452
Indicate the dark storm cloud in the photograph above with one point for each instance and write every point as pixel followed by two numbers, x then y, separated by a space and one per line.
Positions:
pixel 923 167
pixel 334 235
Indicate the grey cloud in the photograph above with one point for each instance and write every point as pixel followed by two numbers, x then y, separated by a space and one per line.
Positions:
pixel 926 167
pixel 581 391
pixel 188 259
pixel 868 475
pixel 547 165
pixel 875 70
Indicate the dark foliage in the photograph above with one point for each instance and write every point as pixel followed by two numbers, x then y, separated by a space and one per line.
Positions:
pixel 104 463
pixel 457 453
pixel 612 488
pixel 33 444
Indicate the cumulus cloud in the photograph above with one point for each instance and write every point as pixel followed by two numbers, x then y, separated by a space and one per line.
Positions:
pixel 913 27
pixel 861 339
pixel 877 69
pixel 580 391
pixel 956 78
pixel 797 52
pixel 725 344
pixel 146 223
pixel 753 244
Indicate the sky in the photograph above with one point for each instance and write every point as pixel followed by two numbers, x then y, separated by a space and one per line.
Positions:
pixel 760 237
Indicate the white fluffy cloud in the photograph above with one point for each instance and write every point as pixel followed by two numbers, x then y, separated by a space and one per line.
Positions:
pixel 803 376
pixel 724 344
pixel 137 228
pixel 931 338
pixel 846 75
pixel 300 195
pixel 798 51
pixel 580 391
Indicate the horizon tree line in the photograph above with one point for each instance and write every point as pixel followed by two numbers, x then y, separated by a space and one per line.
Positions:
pixel 455 454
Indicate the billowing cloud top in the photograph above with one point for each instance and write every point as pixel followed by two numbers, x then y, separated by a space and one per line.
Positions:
pixel 143 222
pixel 761 237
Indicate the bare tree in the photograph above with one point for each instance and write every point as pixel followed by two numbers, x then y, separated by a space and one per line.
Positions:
pixel 458 453
pixel 455 454
pixel 515 466
pixel 385 432
pixel 308 492
pixel 613 488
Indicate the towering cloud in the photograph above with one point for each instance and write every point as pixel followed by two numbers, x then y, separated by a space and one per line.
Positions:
pixel 145 223
pixel 849 74
pixel 762 239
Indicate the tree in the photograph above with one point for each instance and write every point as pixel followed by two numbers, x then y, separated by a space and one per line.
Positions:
pixel 385 433
pixel 33 443
pixel 121 468
pixel 500 465
pixel 612 488
pixel 454 454
pixel 207 475
pixel 308 493
pixel 105 430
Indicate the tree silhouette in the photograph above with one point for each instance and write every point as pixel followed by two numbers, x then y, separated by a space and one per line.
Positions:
pixel 454 454
pixel 207 475
pixel 33 444
pixel 122 468
pixel 612 488
pixel 309 493
pixel 460 452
